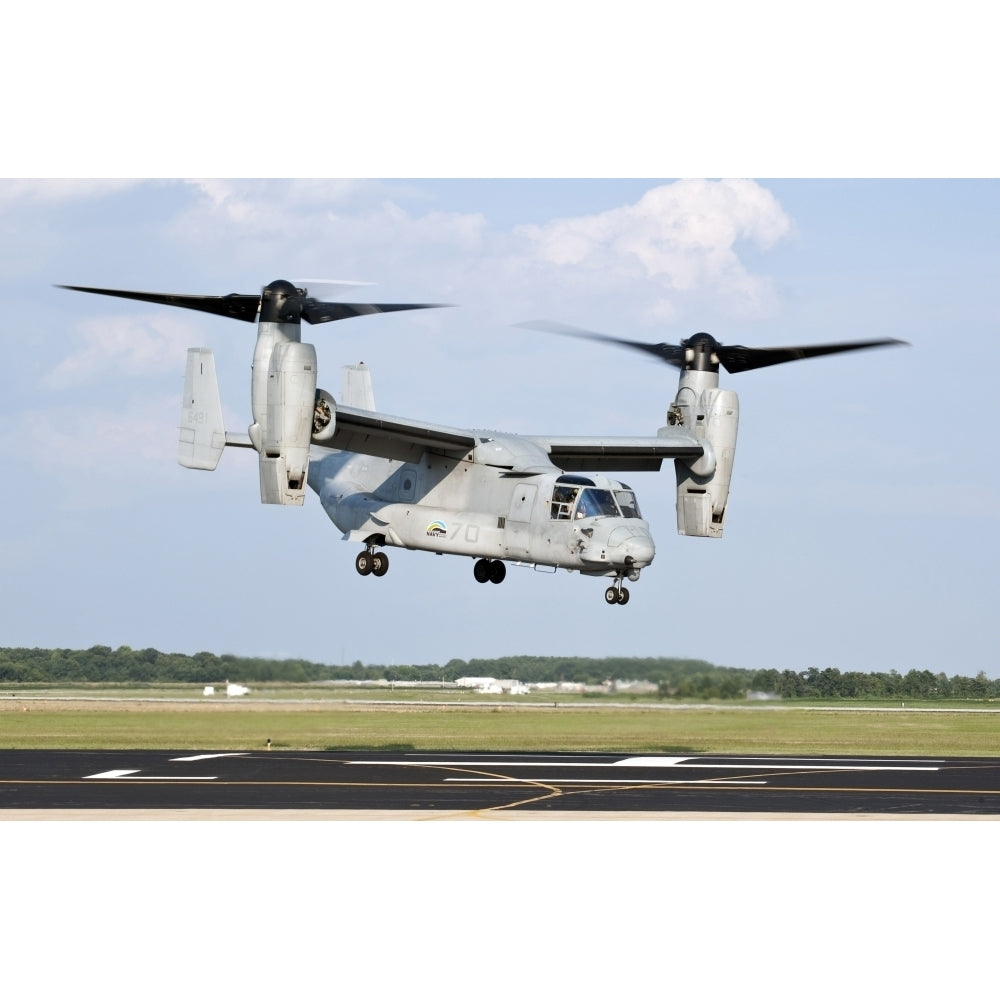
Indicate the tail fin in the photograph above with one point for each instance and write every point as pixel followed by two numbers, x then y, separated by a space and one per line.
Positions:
pixel 202 433
pixel 356 390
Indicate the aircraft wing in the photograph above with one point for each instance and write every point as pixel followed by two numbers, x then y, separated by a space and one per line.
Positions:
pixel 370 433
pixel 618 454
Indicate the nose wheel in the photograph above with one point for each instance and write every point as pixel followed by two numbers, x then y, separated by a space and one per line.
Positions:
pixel 616 594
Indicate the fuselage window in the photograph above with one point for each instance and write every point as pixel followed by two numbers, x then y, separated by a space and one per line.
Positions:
pixel 561 508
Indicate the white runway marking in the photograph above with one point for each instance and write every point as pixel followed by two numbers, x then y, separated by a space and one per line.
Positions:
pixel 135 776
pixel 714 782
pixel 782 764
pixel 208 756
pixel 772 766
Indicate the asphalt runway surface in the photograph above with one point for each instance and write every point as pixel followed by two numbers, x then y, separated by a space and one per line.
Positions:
pixel 386 785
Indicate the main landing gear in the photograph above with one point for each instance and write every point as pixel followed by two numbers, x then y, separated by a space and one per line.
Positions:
pixel 489 569
pixel 616 594
pixel 372 562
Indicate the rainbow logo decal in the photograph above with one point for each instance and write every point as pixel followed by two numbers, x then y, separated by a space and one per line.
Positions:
pixel 437 529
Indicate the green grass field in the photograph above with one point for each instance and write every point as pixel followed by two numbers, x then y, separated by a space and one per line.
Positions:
pixel 321 719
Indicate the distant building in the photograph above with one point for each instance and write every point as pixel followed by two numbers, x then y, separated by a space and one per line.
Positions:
pixel 635 687
pixel 490 685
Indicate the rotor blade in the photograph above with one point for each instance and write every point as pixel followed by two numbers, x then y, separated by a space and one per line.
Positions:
pixel 743 359
pixel 671 353
pixel 327 288
pixel 235 306
pixel 327 312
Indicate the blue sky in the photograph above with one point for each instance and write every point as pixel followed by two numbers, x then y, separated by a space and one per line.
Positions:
pixel 862 531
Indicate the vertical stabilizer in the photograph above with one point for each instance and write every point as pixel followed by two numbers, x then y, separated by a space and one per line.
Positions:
pixel 202 433
pixel 357 391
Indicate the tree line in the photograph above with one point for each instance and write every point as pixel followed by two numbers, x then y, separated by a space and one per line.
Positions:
pixel 674 678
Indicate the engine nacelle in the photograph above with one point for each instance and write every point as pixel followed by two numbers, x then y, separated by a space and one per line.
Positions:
pixel 288 428
pixel 324 424
pixel 703 485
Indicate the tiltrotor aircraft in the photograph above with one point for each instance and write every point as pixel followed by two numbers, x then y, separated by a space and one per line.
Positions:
pixel 496 498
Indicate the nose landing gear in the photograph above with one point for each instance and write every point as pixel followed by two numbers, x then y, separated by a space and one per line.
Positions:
pixel 616 593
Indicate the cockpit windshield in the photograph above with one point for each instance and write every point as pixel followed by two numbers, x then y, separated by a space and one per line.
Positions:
pixel 594 503
pixel 628 503
pixel 571 501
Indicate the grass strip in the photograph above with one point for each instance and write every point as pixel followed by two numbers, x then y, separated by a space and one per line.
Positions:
pixel 247 725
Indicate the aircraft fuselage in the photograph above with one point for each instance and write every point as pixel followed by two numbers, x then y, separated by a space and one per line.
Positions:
pixel 547 519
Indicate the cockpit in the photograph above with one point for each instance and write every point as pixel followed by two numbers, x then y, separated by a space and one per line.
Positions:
pixel 575 497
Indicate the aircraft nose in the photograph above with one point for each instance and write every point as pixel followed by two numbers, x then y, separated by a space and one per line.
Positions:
pixel 632 546
pixel 641 550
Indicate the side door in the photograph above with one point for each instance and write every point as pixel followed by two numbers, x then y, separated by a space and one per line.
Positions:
pixel 517 530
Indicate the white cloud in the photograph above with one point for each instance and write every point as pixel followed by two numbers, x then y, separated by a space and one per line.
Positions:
pixel 123 346
pixel 263 204
pixel 682 239
pixel 318 215
pixel 683 236
pixel 276 209
pixel 13 193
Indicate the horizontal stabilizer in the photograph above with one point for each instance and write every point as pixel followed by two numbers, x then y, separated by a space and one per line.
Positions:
pixel 202 434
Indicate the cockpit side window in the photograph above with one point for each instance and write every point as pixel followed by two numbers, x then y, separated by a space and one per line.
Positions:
pixel 628 503
pixel 561 508
pixel 595 503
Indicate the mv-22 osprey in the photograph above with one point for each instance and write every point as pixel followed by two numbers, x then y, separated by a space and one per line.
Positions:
pixel 538 500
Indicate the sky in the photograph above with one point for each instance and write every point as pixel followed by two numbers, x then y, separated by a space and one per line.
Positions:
pixel 862 527
pixel 515 182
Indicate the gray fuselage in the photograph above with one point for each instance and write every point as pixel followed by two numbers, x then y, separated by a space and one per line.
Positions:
pixel 439 504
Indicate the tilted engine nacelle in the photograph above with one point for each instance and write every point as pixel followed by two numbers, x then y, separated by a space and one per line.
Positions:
pixel 703 485
pixel 288 428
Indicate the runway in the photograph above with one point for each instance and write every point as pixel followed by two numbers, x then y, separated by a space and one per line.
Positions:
pixel 397 785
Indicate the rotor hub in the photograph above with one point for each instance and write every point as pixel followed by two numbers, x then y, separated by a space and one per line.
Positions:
pixel 701 353
pixel 281 302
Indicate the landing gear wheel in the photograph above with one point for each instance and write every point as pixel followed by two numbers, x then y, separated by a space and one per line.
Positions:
pixel 363 564
pixel 611 596
pixel 623 596
pixel 497 571
pixel 380 564
pixel 481 571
